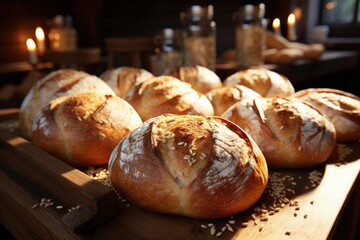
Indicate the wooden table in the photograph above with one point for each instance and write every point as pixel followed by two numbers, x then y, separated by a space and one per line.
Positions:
pixel 302 71
pixel 298 204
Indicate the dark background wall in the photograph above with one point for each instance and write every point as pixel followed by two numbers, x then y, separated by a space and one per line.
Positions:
pixel 97 19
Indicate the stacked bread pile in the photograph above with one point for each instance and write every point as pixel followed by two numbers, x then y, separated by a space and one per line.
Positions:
pixel 76 117
pixel 199 146
pixel 281 51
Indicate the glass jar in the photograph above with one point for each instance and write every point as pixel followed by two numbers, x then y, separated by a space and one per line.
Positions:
pixel 250 34
pixel 169 50
pixel 62 35
pixel 199 36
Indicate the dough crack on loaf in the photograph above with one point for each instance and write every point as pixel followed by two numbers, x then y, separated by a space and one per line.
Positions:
pixel 290 133
pixel 197 166
pixel 83 129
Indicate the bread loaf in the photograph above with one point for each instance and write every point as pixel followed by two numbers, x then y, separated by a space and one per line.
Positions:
pixel 200 78
pixel 289 132
pixel 266 82
pixel 342 108
pixel 224 97
pixel 284 56
pixel 196 166
pixel 83 129
pixel 121 79
pixel 166 94
pixel 55 84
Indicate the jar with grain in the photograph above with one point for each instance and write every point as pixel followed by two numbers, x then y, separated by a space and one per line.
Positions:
pixel 199 36
pixel 169 50
pixel 250 33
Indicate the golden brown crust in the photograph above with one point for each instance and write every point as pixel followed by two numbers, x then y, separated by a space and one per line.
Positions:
pixel 224 97
pixel 83 129
pixel 58 83
pixel 121 79
pixel 196 166
pixel 290 133
pixel 200 78
pixel 342 108
pixel 266 82
pixel 166 94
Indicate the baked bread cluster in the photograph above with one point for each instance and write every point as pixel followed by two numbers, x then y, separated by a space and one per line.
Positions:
pixel 281 51
pixel 200 78
pixel 167 94
pixel 56 84
pixel 342 108
pixel 289 132
pixel 76 117
pixel 195 166
pixel 121 79
pixel 266 82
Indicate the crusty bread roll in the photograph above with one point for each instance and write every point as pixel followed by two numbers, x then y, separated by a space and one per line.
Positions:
pixel 200 78
pixel 289 132
pixel 342 108
pixel 224 97
pixel 56 84
pixel 166 94
pixel 121 79
pixel 284 56
pixel 266 82
pixel 196 166
pixel 83 129
pixel 311 51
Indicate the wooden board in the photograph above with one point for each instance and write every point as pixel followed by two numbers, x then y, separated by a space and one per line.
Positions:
pixel 298 204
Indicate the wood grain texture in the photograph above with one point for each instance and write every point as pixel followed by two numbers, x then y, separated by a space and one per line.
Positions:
pixel 308 202
pixel 38 171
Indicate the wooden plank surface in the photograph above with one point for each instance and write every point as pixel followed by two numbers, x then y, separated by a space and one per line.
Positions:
pixel 298 204
pixel 42 173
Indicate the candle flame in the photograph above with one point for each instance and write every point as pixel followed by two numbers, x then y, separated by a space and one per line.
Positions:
pixel 291 18
pixel 30 44
pixel 39 32
pixel 276 23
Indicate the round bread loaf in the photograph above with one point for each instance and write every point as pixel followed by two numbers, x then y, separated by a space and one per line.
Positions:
pixel 342 108
pixel 196 166
pixel 121 79
pixel 289 132
pixel 83 129
pixel 266 82
pixel 200 78
pixel 166 94
pixel 55 84
pixel 224 97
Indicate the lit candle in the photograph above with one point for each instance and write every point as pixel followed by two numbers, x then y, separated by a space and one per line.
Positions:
pixel 276 26
pixel 291 27
pixel 40 40
pixel 31 46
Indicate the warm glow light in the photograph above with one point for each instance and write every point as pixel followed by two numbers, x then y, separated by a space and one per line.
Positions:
pixel 31 46
pixel 291 19
pixel 276 26
pixel 330 5
pixel 39 33
pixel 40 40
pixel 276 23
pixel 297 13
pixel 291 27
